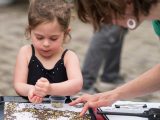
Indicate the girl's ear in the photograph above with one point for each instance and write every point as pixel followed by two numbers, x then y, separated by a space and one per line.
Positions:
pixel 69 30
pixel 67 34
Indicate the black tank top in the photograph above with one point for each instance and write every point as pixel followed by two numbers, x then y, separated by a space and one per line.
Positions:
pixel 36 70
pixel 55 75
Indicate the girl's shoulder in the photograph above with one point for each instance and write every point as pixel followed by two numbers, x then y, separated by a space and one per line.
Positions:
pixel 70 55
pixel 26 51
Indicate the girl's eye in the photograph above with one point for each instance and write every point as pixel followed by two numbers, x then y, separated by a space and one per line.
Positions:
pixel 53 39
pixel 39 38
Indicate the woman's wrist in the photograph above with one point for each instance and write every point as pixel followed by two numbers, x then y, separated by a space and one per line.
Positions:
pixel 118 94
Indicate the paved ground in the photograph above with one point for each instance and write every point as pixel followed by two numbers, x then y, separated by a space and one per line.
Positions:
pixel 140 51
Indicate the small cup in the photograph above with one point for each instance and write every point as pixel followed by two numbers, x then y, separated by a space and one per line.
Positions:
pixel 57 101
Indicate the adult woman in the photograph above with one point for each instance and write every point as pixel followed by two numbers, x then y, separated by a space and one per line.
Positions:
pixel 126 13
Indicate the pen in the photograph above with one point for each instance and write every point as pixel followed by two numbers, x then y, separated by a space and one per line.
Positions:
pixel 131 105
pixel 123 114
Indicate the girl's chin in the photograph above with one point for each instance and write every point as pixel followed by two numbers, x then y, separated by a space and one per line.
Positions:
pixel 46 55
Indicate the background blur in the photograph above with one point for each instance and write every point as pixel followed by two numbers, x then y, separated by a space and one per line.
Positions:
pixel 140 50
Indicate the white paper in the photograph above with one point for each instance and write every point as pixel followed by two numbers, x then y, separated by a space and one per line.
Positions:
pixel 131 107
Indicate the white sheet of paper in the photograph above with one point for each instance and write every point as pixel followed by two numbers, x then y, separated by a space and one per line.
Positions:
pixel 129 109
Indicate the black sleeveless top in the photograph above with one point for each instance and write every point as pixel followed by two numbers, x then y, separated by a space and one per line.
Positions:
pixel 36 70
pixel 55 75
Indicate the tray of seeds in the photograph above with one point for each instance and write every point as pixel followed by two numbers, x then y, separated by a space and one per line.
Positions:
pixel 45 111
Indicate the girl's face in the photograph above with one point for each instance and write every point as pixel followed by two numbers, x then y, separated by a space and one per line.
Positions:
pixel 47 38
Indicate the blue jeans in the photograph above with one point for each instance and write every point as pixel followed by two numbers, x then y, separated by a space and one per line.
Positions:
pixel 104 50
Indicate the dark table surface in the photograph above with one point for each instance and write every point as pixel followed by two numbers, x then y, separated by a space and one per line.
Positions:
pixel 1 111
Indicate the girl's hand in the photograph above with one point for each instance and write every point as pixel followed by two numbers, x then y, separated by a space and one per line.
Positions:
pixel 42 87
pixel 33 98
pixel 95 101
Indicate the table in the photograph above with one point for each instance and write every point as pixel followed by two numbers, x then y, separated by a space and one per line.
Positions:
pixel 125 106
pixel 19 99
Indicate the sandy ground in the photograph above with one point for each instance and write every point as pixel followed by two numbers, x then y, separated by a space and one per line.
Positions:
pixel 140 51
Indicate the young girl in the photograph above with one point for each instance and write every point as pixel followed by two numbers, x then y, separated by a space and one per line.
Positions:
pixel 45 67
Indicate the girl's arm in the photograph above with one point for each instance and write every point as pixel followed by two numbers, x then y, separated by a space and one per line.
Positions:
pixel 21 72
pixel 75 81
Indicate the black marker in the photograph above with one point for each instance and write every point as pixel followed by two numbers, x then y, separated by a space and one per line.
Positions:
pixel 131 105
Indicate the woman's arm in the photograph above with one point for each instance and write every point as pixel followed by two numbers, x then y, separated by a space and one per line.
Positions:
pixel 144 84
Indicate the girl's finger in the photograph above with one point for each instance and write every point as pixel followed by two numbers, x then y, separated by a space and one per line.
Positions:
pixel 40 94
pixel 39 99
pixel 36 99
pixel 40 84
pixel 33 99
pixel 42 80
pixel 40 89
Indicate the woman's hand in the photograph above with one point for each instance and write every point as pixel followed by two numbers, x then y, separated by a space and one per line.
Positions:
pixel 95 101
pixel 86 98
pixel 34 98
pixel 42 87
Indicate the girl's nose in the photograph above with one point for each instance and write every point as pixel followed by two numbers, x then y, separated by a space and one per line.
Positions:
pixel 46 43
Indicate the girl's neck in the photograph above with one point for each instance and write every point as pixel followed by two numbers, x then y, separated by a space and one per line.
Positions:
pixel 55 55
